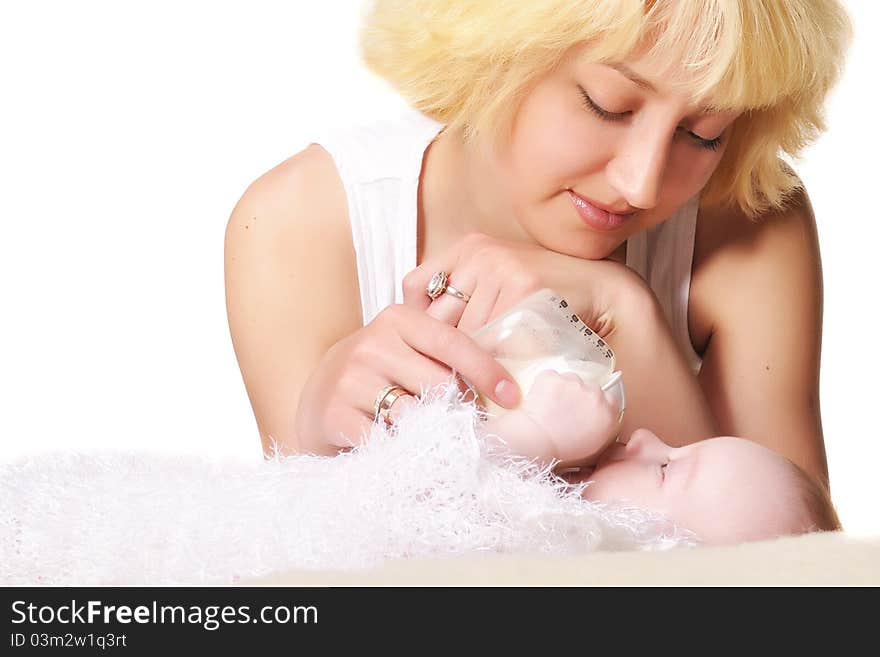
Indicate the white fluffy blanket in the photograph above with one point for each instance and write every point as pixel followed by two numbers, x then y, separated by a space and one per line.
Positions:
pixel 430 488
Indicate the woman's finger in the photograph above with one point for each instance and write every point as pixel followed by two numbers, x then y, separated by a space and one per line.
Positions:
pixel 448 308
pixel 418 373
pixel 456 350
pixel 416 282
pixel 367 393
pixel 480 307
pixel 508 297
pixel 355 424
pixel 403 367
pixel 470 315
pixel 401 405
pixel 352 428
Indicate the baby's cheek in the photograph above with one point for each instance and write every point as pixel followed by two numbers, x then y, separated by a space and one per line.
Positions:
pixel 624 482
pixel 596 491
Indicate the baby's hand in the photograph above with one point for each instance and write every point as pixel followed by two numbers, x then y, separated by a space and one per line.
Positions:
pixel 578 419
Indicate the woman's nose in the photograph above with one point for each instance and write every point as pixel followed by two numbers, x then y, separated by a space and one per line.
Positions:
pixel 636 173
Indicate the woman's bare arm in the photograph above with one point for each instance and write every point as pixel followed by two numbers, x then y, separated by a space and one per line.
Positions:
pixel 662 393
pixel 291 285
pixel 758 287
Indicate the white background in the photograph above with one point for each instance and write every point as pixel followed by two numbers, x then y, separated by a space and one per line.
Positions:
pixel 128 131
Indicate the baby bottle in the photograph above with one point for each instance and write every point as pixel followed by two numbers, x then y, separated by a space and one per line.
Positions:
pixel 543 333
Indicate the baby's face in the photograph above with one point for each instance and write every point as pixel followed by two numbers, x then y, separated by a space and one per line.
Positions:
pixel 725 490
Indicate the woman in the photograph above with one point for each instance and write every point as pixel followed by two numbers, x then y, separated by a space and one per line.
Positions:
pixel 625 154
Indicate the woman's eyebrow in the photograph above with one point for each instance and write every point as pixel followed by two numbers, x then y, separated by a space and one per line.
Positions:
pixel 632 76
pixel 627 72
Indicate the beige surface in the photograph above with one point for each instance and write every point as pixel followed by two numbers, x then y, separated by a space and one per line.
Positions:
pixel 816 559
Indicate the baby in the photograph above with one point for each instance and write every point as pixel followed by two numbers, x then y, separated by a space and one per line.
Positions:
pixel 725 490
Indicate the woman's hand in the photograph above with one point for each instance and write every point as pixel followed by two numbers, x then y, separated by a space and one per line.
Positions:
pixel 662 392
pixel 402 346
pixel 498 274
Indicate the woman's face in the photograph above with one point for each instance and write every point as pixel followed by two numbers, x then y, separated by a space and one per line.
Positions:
pixel 618 136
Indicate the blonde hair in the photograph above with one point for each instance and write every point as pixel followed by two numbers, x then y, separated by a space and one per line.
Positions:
pixel 469 64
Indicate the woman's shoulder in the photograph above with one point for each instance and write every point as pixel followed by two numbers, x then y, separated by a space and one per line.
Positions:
pixel 298 200
pixel 738 261
pixel 296 214
pixel 304 188
pixel 720 226
pixel 726 237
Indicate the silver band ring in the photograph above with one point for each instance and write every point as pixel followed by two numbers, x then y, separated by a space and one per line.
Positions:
pixel 385 400
pixel 439 284
pixel 458 294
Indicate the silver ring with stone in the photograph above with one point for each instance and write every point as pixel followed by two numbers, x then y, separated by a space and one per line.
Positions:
pixel 439 284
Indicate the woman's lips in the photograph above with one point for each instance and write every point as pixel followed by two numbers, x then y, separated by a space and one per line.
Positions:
pixel 596 217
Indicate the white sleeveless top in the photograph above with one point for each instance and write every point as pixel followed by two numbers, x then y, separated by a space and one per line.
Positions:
pixel 380 165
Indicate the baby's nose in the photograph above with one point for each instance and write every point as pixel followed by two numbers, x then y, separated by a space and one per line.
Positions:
pixel 645 444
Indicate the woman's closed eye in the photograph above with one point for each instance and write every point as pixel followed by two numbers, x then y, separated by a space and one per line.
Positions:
pixel 605 115
pixel 602 113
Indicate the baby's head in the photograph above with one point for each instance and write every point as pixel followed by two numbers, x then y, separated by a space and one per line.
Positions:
pixel 725 490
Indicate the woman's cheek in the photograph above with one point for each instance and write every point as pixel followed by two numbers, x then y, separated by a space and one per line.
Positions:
pixel 690 169
pixel 556 150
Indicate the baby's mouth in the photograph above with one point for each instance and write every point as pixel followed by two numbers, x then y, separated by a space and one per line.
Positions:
pixel 613 453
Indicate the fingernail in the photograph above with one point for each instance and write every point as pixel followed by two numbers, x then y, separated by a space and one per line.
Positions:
pixel 507 394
